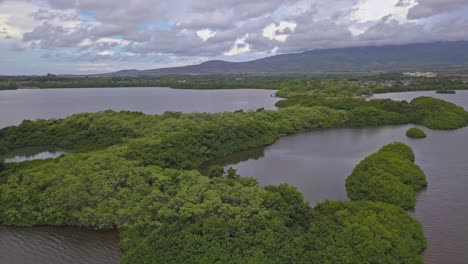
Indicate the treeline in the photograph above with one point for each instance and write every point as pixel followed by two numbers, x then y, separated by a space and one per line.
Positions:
pixel 431 112
pixel 289 84
pixel 176 81
pixel 389 176
pixel 137 173
pixel 407 84
pixel 208 136
pixel 179 216
pixel 172 139
pixel 8 85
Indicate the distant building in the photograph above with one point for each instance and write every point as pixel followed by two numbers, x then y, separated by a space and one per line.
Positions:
pixel 407 82
pixel 421 74
pixel 388 83
pixel 368 83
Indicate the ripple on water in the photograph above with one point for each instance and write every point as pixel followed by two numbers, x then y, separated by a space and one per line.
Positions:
pixel 50 245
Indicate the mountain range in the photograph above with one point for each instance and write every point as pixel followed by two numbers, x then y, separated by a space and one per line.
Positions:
pixel 408 57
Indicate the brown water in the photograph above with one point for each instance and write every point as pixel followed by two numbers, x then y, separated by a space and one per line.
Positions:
pixel 48 245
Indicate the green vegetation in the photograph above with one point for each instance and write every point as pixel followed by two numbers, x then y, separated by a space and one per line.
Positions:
pixel 431 112
pixel 176 140
pixel 136 173
pixel 389 176
pixel 438 114
pixel 400 149
pixel 346 232
pixel 8 85
pixel 415 133
pixel 289 84
pixel 172 140
pixel 443 91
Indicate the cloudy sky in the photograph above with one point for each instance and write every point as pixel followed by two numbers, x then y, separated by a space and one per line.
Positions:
pixel 89 36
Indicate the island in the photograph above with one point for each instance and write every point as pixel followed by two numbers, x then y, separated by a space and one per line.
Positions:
pixel 138 174
pixel 443 91
pixel 415 133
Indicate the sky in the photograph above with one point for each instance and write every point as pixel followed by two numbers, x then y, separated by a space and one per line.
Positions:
pixel 95 36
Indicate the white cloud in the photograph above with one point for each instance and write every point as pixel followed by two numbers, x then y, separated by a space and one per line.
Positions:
pixel 239 47
pixel 279 32
pixel 19 17
pixel 205 34
pixel 106 53
pixel 372 10
pixel 96 67
pixel 15 17
pixel 113 41
pixel 85 31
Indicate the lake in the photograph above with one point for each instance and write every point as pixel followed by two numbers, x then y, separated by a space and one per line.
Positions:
pixel 317 163
pixel 58 103
pixel 460 98
pixel 49 245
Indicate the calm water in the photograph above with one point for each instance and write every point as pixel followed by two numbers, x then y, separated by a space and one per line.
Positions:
pixel 57 103
pixel 49 245
pixel 45 245
pixel 460 98
pixel 318 162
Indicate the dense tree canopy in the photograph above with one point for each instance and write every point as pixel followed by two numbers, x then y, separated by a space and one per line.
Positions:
pixel 178 216
pixel 415 133
pixel 431 112
pixel 444 91
pixel 387 176
pixel 290 85
pixel 137 173
pixel 364 232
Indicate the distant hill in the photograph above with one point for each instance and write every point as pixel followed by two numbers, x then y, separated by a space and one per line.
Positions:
pixel 410 57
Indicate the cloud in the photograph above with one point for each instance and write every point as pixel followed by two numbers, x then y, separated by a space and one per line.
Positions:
pixel 239 47
pixel 280 31
pixel 391 31
pixel 205 34
pixel 428 8
pixel 158 33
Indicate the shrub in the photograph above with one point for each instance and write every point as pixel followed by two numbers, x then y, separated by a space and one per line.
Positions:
pixel 387 176
pixel 364 232
pixel 443 91
pixel 438 114
pixel 399 148
pixel 415 133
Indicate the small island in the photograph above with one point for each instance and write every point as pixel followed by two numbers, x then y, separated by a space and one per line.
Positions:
pixel 415 133
pixel 443 91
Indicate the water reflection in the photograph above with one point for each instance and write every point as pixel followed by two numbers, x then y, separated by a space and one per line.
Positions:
pixel 250 154
pixel 318 162
pixel 32 153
